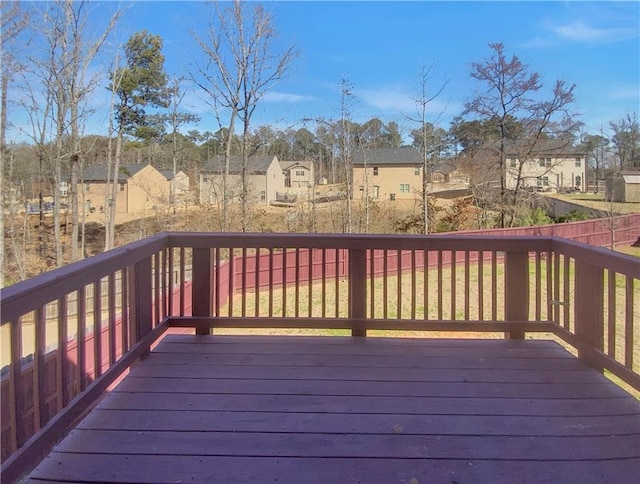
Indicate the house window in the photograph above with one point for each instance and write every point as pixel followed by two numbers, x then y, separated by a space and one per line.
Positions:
pixel 404 188
pixel 375 171
pixel 121 187
pixel 87 187
pixel 543 181
pixel 578 162
pixel 513 162
pixel 263 196
pixel 299 172
pixel 416 171
pixel 545 162
pixel 361 188
pixel 392 196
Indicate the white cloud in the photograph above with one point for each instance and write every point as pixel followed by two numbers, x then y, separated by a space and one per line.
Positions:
pixel 396 100
pixel 625 93
pixel 579 31
pixel 284 97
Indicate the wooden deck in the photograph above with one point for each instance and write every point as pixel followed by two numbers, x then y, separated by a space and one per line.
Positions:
pixel 212 409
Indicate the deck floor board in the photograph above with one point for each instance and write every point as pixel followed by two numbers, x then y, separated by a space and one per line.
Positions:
pixel 311 409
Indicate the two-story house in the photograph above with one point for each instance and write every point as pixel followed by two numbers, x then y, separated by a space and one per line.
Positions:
pixel 298 175
pixel 263 173
pixel 140 187
pixel 387 173
pixel 550 166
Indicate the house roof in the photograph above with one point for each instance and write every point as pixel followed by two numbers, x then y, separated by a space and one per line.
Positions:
pixel 168 174
pixel 551 147
pixel 98 173
pixel 257 165
pixel 445 168
pixel 288 165
pixel 388 156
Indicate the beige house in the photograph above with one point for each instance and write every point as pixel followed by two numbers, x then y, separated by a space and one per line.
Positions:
pixel 299 176
pixel 547 168
pixel 179 184
pixel 623 187
pixel 264 176
pixel 387 173
pixel 140 187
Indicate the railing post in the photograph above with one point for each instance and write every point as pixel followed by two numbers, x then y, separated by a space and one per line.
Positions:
pixel 202 294
pixel 589 307
pixel 516 290
pixel 141 299
pixel 358 288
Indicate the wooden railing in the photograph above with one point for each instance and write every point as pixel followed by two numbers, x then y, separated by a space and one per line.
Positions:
pixel 68 334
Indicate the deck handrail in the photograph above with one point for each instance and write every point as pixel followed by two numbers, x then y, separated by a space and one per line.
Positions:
pixel 513 284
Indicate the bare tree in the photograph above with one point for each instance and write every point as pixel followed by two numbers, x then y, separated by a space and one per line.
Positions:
pixel 13 22
pixel 239 48
pixel 626 139
pixel 426 128
pixel 510 92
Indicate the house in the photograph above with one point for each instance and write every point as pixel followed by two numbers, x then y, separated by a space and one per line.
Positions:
pixel 179 184
pixel 623 187
pixel 264 177
pixel 387 173
pixel 299 176
pixel 550 166
pixel 140 187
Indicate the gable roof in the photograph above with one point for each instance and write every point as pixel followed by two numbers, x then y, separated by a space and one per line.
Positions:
pixel 257 165
pixel 445 168
pixel 288 165
pixel 388 156
pixel 551 147
pixel 98 173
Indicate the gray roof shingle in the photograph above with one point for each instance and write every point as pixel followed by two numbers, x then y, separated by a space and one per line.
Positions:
pixel 388 156
pixel 257 165
pixel 98 173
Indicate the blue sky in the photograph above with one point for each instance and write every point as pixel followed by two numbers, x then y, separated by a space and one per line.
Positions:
pixel 381 46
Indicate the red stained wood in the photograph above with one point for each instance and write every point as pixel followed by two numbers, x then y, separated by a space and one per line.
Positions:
pixel 263 409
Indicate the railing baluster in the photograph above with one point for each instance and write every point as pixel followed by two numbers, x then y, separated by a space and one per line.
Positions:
pixel 297 288
pixel 310 281
pixel 467 285
pixel 385 284
pixel 538 288
pixel 15 386
pixel 494 285
pixel 271 271
pixel 481 286
pixel 112 319
pixel 284 282
pixel 172 282
pixel 324 283
pixel 440 295
pixel 372 283
pixel 218 274
pixel 183 281
pixel 81 339
pixel 611 316
pixel 125 325
pixel 232 279
pixel 566 293
pixel 39 371
pixel 556 288
pixel 337 279
pixel 62 363
pixel 413 284
pixel 628 324
pixel 454 292
pixel 425 277
pixel 243 284
pixel 257 284
pixel 97 329
pixel 399 284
